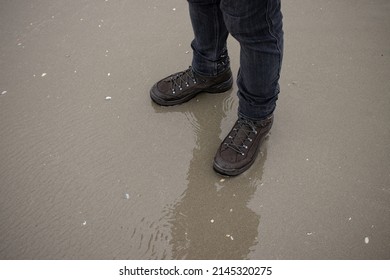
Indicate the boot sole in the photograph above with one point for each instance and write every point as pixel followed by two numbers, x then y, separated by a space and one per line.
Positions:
pixel 222 87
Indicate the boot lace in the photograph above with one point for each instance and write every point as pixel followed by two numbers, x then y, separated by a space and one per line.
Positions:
pixel 241 136
pixel 182 80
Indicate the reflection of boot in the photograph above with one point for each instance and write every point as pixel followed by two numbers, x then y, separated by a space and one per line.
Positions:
pixel 183 86
pixel 212 219
pixel 240 148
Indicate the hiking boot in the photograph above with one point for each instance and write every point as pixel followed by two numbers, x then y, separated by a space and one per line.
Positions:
pixel 239 149
pixel 183 86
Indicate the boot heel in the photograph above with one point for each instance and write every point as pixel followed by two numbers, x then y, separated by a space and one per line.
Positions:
pixel 222 87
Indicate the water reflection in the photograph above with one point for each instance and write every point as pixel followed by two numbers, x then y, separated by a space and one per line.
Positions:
pixel 211 220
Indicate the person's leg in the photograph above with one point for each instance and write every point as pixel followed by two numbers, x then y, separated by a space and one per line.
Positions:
pixel 257 25
pixel 210 55
pixel 210 71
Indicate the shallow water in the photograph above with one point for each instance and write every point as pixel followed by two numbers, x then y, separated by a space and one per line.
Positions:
pixel 83 176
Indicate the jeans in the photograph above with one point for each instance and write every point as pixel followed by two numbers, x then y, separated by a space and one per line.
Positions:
pixel 257 26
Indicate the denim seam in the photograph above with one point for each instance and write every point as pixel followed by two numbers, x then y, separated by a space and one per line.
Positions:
pixel 216 26
pixel 269 23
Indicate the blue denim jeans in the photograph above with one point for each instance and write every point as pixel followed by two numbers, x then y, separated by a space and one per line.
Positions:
pixel 257 26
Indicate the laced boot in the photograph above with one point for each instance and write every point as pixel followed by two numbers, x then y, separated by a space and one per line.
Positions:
pixel 183 86
pixel 239 149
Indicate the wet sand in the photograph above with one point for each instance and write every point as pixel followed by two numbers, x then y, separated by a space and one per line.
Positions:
pixel 90 168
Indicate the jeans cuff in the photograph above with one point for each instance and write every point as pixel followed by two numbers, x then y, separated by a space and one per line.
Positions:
pixel 206 67
pixel 255 112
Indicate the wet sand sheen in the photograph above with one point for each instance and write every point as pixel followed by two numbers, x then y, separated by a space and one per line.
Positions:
pixel 83 176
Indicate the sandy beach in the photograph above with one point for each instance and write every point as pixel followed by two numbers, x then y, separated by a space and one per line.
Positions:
pixel 91 168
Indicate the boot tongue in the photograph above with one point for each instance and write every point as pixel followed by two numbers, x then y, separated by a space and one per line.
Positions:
pixel 240 137
pixel 244 130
